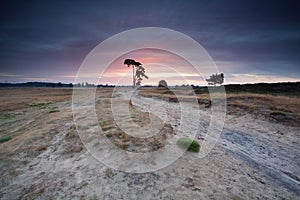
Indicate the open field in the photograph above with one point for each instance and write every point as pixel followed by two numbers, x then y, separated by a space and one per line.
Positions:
pixel 280 109
pixel 19 98
pixel 256 157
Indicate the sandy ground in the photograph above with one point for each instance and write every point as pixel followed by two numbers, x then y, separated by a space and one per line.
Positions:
pixel 255 158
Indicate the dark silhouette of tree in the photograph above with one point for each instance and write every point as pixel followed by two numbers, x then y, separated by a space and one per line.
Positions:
pixel 137 63
pixel 216 79
pixel 130 63
pixel 162 83
pixel 137 76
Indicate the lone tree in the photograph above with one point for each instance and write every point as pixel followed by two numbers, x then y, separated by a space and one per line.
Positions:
pixel 216 79
pixel 137 76
pixel 130 62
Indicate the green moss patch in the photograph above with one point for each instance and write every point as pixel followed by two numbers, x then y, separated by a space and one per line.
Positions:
pixel 53 110
pixel 5 138
pixel 189 144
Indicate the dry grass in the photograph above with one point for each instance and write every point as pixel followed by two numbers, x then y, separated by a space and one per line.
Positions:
pixel 19 98
pixel 283 103
pixel 260 101
pixel 123 139
pixel 73 145
pixel 242 103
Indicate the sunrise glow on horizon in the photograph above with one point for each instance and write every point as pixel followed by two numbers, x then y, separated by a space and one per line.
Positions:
pixel 49 44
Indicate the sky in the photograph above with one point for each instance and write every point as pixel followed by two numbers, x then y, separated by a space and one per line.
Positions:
pixel 250 41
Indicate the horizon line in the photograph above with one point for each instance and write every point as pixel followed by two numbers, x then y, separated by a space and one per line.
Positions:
pixel 106 84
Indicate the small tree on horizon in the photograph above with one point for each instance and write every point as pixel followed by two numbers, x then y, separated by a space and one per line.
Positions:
pixel 216 79
pixel 129 63
pixel 137 76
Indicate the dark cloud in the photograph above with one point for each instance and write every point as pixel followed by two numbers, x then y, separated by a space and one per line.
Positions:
pixel 53 37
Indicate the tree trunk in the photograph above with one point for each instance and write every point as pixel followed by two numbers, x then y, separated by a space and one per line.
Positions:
pixel 133 77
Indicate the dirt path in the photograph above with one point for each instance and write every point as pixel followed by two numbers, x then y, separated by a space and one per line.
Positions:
pixel 267 147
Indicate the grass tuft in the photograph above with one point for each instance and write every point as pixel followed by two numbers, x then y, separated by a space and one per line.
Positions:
pixel 39 104
pixel 189 144
pixel 53 110
pixel 5 138
pixel 278 113
pixel 6 117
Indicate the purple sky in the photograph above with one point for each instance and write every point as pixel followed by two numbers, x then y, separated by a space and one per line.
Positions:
pixel 250 41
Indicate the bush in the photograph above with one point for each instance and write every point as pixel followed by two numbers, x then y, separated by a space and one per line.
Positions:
pixel 189 144
pixel 5 138
pixel 162 83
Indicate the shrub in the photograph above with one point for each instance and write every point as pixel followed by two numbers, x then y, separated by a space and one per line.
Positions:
pixel 189 144
pixel 162 83
pixel 5 138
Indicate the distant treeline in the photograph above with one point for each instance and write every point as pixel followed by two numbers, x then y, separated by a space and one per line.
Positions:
pixel 36 84
pixel 54 85
pixel 286 89
pixel 267 88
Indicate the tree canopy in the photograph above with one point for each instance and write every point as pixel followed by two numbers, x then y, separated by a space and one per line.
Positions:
pixel 216 79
